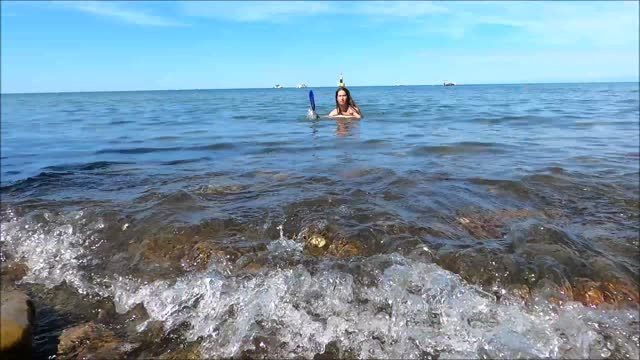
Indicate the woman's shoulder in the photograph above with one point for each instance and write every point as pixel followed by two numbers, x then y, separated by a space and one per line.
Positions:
pixel 355 111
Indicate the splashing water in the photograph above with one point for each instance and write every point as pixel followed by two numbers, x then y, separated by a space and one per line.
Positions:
pixel 414 310
pixel 311 114
pixel 409 310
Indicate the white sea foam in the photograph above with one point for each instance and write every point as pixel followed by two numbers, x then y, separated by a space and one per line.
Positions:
pixel 53 252
pixel 411 310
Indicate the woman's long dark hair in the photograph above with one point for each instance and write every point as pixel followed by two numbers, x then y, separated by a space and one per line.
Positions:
pixel 350 101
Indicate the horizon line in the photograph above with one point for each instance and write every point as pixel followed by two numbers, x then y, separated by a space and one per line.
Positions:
pixel 310 87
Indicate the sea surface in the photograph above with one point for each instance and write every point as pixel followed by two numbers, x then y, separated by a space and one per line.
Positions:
pixel 473 221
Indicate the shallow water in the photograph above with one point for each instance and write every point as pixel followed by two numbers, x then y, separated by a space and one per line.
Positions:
pixel 469 221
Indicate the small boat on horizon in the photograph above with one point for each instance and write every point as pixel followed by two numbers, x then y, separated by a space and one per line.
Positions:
pixel 448 83
pixel 278 86
pixel 301 86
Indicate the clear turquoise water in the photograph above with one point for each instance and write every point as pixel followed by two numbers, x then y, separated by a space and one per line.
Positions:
pixel 106 185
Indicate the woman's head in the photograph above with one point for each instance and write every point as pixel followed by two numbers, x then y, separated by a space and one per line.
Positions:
pixel 344 100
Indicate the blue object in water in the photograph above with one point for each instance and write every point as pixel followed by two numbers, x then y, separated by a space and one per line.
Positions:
pixel 312 100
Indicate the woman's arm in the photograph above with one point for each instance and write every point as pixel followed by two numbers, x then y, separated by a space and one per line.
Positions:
pixel 356 113
pixel 351 115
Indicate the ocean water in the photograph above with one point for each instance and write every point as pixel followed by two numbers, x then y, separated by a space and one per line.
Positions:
pixel 478 221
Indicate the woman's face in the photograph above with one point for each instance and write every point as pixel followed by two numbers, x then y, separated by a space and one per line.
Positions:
pixel 342 97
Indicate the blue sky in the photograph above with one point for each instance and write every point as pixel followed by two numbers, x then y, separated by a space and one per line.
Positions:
pixel 144 45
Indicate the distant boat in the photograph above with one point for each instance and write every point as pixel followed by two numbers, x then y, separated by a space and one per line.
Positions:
pixel 278 86
pixel 301 86
pixel 448 83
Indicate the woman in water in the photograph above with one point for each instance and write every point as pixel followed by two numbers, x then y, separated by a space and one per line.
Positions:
pixel 345 106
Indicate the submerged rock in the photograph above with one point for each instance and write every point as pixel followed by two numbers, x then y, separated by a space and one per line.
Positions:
pixel 188 352
pixel 12 272
pixel 17 321
pixel 202 253
pixel 333 350
pixel 616 292
pixel 343 248
pixel 221 189
pixel 483 265
pixel 490 225
pixel 91 341
pixel 324 243
pixel 587 292
pixel 173 251
pixel 317 240
pixel 539 259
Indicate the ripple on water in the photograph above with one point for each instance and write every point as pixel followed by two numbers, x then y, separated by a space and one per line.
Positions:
pixel 460 148
pixel 139 150
pixel 215 146
pixel 185 161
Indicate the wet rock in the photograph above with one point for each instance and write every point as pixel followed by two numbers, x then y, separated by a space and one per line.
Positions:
pixel 327 244
pixel 172 251
pixel 489 225
pixel 536 261
pixel 558 215
pixel 92 341
pixel 594 293
pixel 12 272
pixel 620 292
pixel 164 247
pixel 365 171
pixel 273 175
pixel 552 293
pixel 189 351
pixel 333 350
pixel 571 262
pixel 107 313
pixel 160 256
pixel 163 256
pixel 542 277
pixel 523 234
pixel 480 228
pixel 483 265
pixel 157 342
pixel 221 189
pixel 588 292
pixel 519 291
pixel 17 320
pixel 201 254
pixel 262 347
pixel 547 267
pixel 251 266
pixel 316 240
pixel 127 322
pixel 311 246
pixel 343 248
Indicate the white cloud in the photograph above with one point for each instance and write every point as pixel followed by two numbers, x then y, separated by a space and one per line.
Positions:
pixel 249 11
pixel 399 8
pixel 600 24
pixel 277 11
pixel 120 12
pixel 550 23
